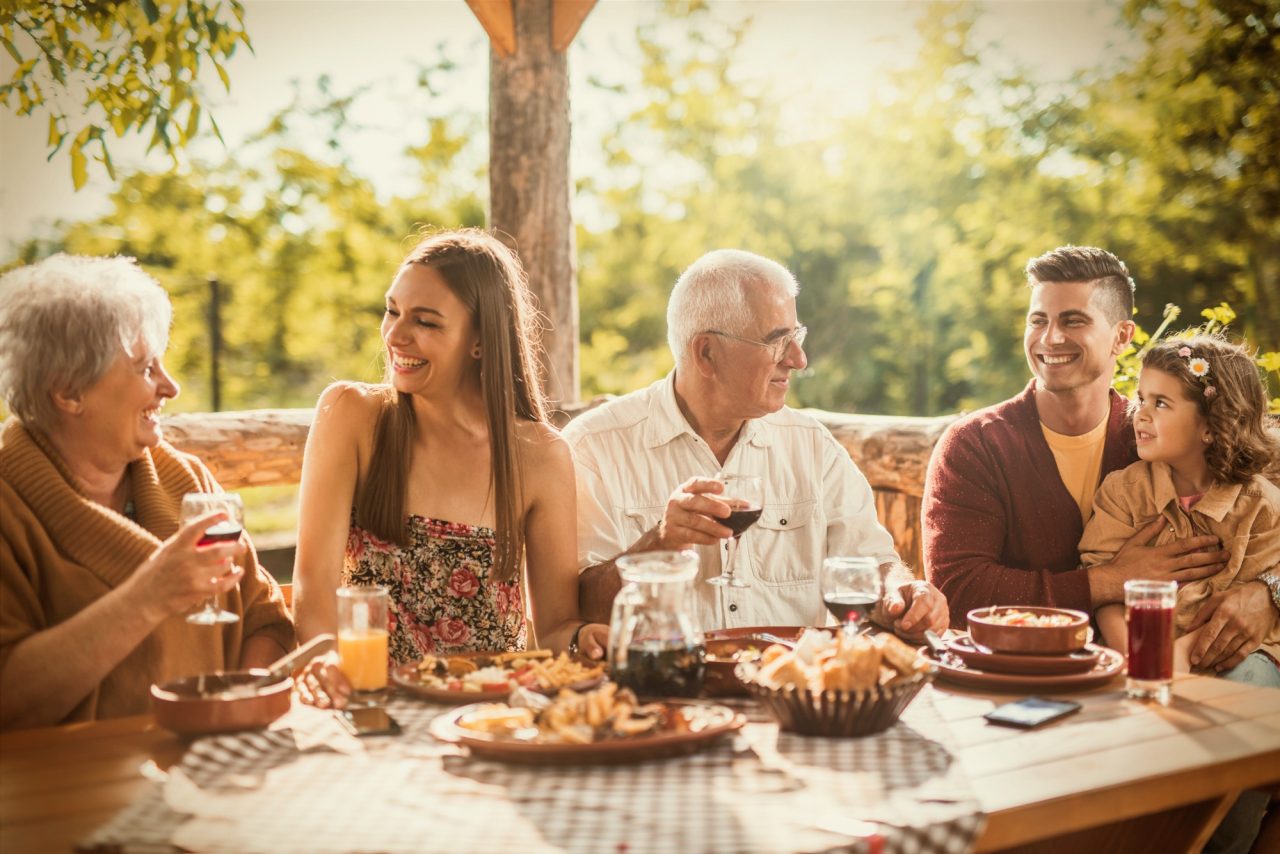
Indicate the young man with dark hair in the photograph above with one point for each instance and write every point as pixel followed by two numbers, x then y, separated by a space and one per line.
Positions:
pixel 1009 487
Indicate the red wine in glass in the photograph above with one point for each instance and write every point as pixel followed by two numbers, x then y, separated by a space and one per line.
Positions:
pixel 744 493
pixel 741 519
pixel 850 607
pixel 194 506
pixel 851 587
pixel 222 532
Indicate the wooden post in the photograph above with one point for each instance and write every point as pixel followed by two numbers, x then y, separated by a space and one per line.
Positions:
pixel 215 343
pixel 529 181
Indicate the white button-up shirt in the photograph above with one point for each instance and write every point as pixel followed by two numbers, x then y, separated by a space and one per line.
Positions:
pixel 633 452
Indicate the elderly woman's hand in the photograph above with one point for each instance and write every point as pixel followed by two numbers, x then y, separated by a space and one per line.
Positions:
pixel 916 607
pixel 181 574
pixel 322 684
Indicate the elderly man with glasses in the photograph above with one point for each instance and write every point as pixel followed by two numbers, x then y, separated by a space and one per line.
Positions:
pixel 647 465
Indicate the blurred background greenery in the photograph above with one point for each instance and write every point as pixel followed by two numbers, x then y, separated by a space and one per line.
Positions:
pixel 907 223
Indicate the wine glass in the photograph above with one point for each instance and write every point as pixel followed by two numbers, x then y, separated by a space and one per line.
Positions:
pixel 195 505
pixel 744 495
pixel 851 588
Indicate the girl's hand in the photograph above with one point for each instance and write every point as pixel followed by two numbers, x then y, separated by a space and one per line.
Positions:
pixel 322 684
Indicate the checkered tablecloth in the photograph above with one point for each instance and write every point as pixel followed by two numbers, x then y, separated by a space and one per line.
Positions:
pixel 309 790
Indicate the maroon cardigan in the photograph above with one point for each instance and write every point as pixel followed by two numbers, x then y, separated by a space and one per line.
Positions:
pixel 1000 527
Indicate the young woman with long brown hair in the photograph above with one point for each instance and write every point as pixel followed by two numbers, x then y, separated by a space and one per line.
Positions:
pixel 446 484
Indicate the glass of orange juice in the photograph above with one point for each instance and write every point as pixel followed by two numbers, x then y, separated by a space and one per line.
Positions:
pixel 362 638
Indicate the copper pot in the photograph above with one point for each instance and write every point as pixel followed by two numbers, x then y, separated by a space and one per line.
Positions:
pixel 220 702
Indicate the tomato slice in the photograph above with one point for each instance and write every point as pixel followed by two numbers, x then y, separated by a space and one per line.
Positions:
pixel 504 685
pixel 526 678
pixel 454 685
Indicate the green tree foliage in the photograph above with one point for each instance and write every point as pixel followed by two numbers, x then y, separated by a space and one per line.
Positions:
pixel 908 226
pixel 102 65
pixel 1182 151
pixel 303 247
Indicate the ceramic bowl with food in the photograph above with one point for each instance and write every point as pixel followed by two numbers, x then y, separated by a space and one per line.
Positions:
pixel 220 702
pixel 723 655
pixel 1026 629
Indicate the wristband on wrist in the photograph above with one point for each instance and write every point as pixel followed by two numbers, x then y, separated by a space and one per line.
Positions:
pixel 573 641
pixel 1271 578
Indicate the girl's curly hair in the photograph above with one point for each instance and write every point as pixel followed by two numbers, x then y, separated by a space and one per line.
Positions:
pixel 1230 396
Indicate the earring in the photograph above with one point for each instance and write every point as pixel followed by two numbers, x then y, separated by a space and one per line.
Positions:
pixel 475 352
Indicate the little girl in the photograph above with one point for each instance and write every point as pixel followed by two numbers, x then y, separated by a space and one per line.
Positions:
pixel 1200 424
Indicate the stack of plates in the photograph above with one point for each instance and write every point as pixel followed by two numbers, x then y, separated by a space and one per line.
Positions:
pixel 970 664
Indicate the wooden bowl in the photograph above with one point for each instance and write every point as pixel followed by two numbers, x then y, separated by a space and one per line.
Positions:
pixel 200 705
pixel 986 628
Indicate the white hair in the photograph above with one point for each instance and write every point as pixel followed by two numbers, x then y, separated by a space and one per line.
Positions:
pixel 65 320
pixel 712 295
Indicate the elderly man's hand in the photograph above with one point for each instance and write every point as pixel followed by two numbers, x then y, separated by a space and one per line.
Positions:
pixel 915 607
pixel 1235 622
pixel 691 514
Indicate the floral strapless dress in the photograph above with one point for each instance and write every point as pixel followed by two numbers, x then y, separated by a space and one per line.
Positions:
pixel 442 596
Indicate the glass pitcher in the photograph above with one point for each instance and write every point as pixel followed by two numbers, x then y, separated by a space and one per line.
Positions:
pixel 655 641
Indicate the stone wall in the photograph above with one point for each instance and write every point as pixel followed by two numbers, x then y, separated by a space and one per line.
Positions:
pixel 264 448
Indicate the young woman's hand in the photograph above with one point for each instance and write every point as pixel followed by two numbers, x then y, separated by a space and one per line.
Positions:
pixel 593 641
pixel 322 684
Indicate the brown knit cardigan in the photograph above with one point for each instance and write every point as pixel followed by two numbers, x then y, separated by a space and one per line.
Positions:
pixel 59 552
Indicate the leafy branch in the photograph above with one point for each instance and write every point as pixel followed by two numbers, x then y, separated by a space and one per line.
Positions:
pixel 99 65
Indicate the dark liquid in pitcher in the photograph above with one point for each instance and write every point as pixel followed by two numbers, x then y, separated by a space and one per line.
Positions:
pixel 655 669
pixel 223 532
pixel 853 607
pixel 740 520
pixel 1150 642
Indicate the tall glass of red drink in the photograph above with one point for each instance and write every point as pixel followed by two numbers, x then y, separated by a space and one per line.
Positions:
pixel 1148 612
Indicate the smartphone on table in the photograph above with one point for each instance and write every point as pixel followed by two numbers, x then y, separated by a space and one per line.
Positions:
pixel 369 720
pixel 1031 712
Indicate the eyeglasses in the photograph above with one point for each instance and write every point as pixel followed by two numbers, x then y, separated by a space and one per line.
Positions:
pixel 778 347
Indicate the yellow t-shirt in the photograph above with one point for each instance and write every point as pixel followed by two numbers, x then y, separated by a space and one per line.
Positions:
pixel 1079 460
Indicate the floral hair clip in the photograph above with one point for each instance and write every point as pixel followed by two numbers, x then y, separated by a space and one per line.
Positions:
pixel 1199 368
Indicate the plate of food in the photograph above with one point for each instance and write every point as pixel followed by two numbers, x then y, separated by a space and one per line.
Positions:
pixel 763 635
pixel 469 677
pixel 958 672
pixel 604 726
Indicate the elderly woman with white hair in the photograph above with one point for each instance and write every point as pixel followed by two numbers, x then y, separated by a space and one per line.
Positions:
pixel 96 571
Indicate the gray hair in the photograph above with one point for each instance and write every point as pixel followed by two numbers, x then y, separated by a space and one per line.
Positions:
pixel 712 294
pixel 65 320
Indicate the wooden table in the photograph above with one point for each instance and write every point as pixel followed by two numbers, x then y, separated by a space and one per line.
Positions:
pixel 1115 774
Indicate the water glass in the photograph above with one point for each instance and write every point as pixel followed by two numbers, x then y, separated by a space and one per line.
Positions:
pixel 1148 613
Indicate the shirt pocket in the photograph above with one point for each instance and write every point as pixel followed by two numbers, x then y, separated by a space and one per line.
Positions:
pixel 784 544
